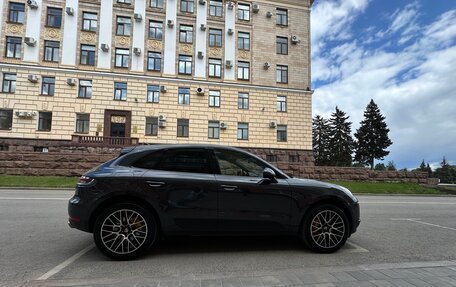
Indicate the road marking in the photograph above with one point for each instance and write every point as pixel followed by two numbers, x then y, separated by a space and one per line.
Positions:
pixel 32 198
pixel 417 220
pixel 407 202
pixel 65 263
pixel 357 248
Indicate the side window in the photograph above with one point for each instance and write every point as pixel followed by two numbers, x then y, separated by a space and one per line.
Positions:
pixel 148 161
pixel 185 160
pixel 238 164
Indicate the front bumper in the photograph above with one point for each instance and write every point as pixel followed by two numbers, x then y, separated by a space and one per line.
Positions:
pixel 356 221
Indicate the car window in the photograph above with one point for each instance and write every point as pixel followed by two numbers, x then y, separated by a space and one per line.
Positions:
pixel 185 160
pixel 148 161
pixel 238 164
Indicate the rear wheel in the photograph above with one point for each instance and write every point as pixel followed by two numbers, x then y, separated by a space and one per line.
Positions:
pixel 125 231
pixel 325 228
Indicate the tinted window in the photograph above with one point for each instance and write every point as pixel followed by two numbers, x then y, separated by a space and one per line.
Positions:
pixel 185 160
pixel 238 164
pixel 148 161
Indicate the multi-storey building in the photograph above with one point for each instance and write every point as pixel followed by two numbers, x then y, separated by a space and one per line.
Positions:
pixel 157 71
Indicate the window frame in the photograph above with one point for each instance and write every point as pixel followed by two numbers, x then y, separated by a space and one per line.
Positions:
pixel 159 4
pixel 16 15
pixel 44 123
pixel 281 45
pixel 282 104
pixel 51 51
pixel 152 57
pixel 244 42
pixel 51 18
pixel 6 116
pixel 187 65
pixel 215 37
pixel 213 132
pixel 123 28
pixel 153 94
pixel 244 131
pixel 215 68
pixel 50 86
pixel 183 128
pixel 244 70
pixel 186 34
pixel 87 54
pixel 244 12
pixel 158 30
pixel 9 83
pixel 16 43
pixel 120 91
pixel 282 74
pixel 86 89
pixel 282 17
pixel 89 21
pixel 183 96
pixel 243 98
pixel 122 57
pixel 189 6
pixel 84 123
pixel 151 127
pixel 217 9
pixel 282 133
pixel 214 98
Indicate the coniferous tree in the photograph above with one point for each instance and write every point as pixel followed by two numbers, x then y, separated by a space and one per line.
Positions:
pixel 372 136
pixel 341 142
pixel 391 166
pixel 423 166
pixel 320 140
pixel 429 170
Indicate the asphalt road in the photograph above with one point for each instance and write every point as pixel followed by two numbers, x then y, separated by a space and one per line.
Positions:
pixel 37 246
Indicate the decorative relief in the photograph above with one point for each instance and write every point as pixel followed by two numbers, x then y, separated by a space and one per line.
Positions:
pixel 89 38
pixel 4 103
pixel 14 29
pixel 186 48
pixel 244 55
pixel 52 33
pixel 215 52
pixel 154 45
pixel 122 41
pixel 82 108
pixel 44 106
pixel 118 119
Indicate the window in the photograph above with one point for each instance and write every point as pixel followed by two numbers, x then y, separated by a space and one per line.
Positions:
pixel 214 98
pixel 281 103
pixel 122 58
pixel 16 12
pixel 282 17
pixel 183 97
pixel 155 30
pixel 271 158
pixel 182 128
pixel 124 1
pixel 13 47
pixel 186 34
pixel 293 158
pixel 243 40
pixel 215 68
pixel 243 70
pixel 153 94
pixel 54 17
pixel 154 61
pixel 185 65
pixel 85 89
pixel 215 37
pixel 243 101
pixel 82 123
pixel 48 86
pixel 186 6
pixel 9 83
pixel 282 45
pixel 156 4
pixel 88 55
pixel 123 26
pixel 44 121
pixel 185 160
pixel 281 133
pixel 282 74
pixel 244 12
pixel 216 8
pixel 151 126
pixel 51 51
pixel 89 21
pixel 213 130
pixel 243 131
pixel 6 119
pixel 236 163
pixel 120 91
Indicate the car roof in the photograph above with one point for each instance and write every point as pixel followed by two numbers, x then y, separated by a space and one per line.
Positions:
pixel 146 147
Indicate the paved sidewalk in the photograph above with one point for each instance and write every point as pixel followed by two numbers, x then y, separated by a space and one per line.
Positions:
pixel 440 274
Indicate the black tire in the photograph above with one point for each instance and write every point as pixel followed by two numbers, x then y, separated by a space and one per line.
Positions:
pixel 325 236
pixel 130 236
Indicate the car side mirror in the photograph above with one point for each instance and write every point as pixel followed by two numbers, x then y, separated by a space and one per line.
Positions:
pixel 269 174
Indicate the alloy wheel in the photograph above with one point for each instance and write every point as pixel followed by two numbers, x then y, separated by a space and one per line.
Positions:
pixel 327 229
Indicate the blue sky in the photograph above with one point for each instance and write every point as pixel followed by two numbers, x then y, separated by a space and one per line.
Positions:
pixel 400 53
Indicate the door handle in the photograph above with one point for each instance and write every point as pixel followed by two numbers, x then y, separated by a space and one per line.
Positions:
pixel 229 187
pixel 155 183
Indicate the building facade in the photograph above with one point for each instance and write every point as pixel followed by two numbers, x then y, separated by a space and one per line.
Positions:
pixel 156 71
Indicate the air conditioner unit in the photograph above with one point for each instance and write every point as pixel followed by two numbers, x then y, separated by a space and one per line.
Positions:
pixel 229 64
pixel 223 125
pixel 203 27
pixel 230 5
pixel 273 125
pixel 266 65
pixel 32 78
pixel 161 124
pixel 269 14
pixel 20 114
pixel 295 39
pixel 200 91
pixel 30 41
pixel 32 4
pixel 170 23
pixel 255 8
pixel 69 11
pixel 138 17
pixel 137 51
pixel 200 54
pixel 28 114
pixel 104 47
pixel 230 31
pixel 163 89
pixel 71 81
pixel 202 2
pixel 162 118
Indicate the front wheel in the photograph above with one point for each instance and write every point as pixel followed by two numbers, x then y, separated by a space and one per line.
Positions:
pixel 325 229
pixel 125 231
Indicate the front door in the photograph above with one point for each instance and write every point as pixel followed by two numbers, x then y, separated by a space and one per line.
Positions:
pixel 117 129
pixel 117 124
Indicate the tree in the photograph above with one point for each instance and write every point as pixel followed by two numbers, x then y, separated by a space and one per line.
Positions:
pixel 391 166
pixel 372 136
pixel 429 170
pixel 341 142
pixel 320 140
pixel 446 173
pixel 380 166
pixel 423 166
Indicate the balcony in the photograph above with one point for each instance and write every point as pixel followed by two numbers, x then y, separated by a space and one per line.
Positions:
pixel 104 141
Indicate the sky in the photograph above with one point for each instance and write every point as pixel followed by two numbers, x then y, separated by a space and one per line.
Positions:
pixel 401 54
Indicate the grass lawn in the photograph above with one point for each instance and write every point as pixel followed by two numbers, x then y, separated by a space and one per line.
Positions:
pixel 37 181
pixel 361 187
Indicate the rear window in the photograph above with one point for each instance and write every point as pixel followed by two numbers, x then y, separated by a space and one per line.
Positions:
pixel 148 161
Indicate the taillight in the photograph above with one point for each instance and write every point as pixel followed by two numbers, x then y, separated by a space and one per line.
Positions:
pixel 85 180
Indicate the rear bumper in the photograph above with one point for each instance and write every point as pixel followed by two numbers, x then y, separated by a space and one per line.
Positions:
pixel 77 214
